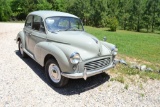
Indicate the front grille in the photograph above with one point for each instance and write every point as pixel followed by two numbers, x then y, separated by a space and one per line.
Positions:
pixel 98 64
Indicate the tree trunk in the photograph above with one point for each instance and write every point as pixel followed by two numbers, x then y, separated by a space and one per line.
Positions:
pixel 152 27
pixel 153 17
pixel 124 24
pixel 138 28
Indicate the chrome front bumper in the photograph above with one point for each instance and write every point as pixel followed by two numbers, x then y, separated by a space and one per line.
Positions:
pixel 86 74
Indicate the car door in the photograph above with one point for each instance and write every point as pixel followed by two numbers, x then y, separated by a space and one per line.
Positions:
pixel 37 34
pixel 27 31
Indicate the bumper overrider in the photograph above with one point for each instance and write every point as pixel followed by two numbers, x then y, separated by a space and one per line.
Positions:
pixel 88 73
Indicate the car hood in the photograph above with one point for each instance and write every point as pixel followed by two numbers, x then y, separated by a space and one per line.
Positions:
pixel 85 44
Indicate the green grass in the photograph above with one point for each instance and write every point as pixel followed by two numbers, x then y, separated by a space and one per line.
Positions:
pixel 143 46
pixel 125 71
pixel 126 86
pixel 119 79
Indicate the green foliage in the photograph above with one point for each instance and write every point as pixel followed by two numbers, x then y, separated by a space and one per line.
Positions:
pixel 5 10
pixel 119 79
pixel 128 14
pixel 151 75
pixel 113 23
pixel 21 8
pixel 136 14
pixel 142 94
pixel 43 5
pixel 98 12
pixel 126 86
pixel 152 13
pixel 82 9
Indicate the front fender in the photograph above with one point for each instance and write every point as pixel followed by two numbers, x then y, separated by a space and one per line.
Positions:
pixel 42 49
pixel 21 36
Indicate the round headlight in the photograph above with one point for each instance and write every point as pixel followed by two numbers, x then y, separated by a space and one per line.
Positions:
pixel 75 58
pixel 114 53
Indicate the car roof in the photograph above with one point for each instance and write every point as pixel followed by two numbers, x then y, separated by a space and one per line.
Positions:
pixel 46 13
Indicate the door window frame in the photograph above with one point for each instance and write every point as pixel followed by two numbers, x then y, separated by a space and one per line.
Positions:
pixel 43 30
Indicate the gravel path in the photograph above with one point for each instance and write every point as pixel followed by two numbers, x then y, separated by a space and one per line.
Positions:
pixel 22 83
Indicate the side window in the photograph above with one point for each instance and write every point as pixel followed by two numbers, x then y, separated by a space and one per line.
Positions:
pixel 36 23
pixel 29 21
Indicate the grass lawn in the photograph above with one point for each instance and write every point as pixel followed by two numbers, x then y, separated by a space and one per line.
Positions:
pixel 143 46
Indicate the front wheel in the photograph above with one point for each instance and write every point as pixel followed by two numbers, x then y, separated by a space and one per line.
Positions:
pixel 53 74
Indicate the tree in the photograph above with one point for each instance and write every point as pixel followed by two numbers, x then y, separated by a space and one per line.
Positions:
pixel 124 12
pixel 98 12
pixel 81 8
pixel 21 8
pixel 137 11
pixel 153 9
pixel 129 14
pixel 60 5
pixel 5 10
pixel 147 18
pixel 43 5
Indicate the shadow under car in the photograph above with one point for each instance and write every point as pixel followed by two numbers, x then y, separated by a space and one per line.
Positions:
pixel 74 86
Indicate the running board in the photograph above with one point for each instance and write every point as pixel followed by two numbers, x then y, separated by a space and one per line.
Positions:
pixel 28 53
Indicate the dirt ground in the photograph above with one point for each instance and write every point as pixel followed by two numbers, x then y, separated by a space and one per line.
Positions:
pixel 23 83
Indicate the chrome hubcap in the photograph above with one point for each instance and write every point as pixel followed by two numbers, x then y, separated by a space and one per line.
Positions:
pixel 21 50
pixel 54 73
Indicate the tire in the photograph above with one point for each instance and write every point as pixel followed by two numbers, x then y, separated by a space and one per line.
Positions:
pixel 20 45
pixel 53 74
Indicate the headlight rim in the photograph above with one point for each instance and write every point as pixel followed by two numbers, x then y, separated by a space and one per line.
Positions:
pixel 114 50
pixel 72 58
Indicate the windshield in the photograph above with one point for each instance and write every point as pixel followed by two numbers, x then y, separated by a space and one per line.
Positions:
pixel 55 24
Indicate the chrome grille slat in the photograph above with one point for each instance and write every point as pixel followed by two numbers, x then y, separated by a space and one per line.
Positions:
pixel 95 64
pixel 98 64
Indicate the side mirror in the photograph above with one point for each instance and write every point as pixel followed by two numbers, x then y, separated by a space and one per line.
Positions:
pixel 104 38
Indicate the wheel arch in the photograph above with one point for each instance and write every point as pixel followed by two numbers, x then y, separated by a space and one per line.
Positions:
pixel 18 39
pixel 21 36
pixel 49 56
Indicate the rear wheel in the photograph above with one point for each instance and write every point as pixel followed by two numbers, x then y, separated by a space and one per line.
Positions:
pixel 20 46
pixel 53 74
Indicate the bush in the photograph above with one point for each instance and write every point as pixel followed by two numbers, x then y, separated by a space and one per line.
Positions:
pixel 113 23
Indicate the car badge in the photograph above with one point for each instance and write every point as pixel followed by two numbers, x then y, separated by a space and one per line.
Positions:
pixel 99 53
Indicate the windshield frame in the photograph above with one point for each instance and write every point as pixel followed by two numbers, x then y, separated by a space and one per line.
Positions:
pixel 66 29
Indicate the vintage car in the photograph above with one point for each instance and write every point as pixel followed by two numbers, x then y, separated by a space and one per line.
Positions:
pixel 58 42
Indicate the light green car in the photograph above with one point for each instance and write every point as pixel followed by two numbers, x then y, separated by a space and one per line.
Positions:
pixel 58 42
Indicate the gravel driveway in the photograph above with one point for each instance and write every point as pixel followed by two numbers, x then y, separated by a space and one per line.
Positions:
pixel 23 83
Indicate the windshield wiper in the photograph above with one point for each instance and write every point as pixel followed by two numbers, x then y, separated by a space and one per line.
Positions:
pixel 53 32
pixel 72 29
pixel 67 29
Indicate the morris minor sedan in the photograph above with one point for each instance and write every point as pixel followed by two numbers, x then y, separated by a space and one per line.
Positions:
pixel 57 41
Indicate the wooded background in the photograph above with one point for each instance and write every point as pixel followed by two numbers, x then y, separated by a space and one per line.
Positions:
pixel 124 14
